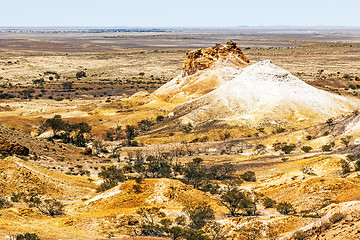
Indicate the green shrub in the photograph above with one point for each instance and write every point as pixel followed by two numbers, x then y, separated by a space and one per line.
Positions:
pixel 4 203
pixel 187 128
pixel 268 202
pixel 137 188
pixel 300 235
pixel 336 217
pixel 248 176
pixel 50 207
pixel 306 149
pixel 285 208
pixel 112 176
pixel 326 148
pixel 27 236
pixel 160 118
pixel 357 165
pixel 288 148
pixel 80 74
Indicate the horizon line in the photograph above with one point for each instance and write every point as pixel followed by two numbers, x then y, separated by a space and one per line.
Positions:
pixel 194 27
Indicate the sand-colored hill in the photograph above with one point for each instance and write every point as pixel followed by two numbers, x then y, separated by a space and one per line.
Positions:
pixel 203 71
pixel 312 193
pixel 18 176
pixel 264 93
pixel 337 221
pixel 172 195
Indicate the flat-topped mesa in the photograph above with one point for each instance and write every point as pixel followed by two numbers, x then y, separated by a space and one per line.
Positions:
pixel 201 59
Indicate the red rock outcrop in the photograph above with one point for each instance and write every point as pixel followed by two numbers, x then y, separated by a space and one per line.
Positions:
pixel 201 59
pixel 11 148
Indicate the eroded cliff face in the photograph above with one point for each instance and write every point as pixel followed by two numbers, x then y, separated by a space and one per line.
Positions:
pixel 201 59
pixel 204 70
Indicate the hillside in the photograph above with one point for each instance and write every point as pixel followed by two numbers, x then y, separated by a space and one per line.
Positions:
pixel 265 94
pixel 19 176
pixel 222 131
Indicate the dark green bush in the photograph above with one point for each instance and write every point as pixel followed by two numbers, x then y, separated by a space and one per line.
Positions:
pixel 27 236
pixel 306 149
pixel 288 148
pixel 336 217
pixel 285 208
pixel 268 202
pixel 248 176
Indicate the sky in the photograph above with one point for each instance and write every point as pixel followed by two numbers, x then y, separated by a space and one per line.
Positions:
pixel 180 13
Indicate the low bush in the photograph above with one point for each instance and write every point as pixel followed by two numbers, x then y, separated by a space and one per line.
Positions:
pixel 306 149
pixel 27 236
pixel 268 202
pixel 285 208
pixel 248 176
pixel 336 217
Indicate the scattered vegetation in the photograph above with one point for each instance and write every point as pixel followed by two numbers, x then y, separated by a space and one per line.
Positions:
pixel 154 222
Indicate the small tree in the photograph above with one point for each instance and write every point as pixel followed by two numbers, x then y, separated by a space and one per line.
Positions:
pixel 112 176
pixel 248 176
pixel 268 202
pixel 235 200
pixel 288 148
pixel 222 171
pixel 285 208
pixel 306 149
pixel 158 167
pixel 150 218
pixel 346 140
pixel 232 200
pixel 50 207
pixel 27 236
pixel 145 125
pixel 260 148
pixel 187 127
pixel 199 214
pixel 55 123
pixel 195 173
pixel 131 133
pixel 80 74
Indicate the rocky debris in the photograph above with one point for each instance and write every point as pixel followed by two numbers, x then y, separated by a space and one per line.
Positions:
pixel 201 59
pixel 20 150
pixel 12 148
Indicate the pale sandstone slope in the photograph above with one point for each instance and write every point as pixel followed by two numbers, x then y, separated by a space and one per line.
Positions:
pixel 264 93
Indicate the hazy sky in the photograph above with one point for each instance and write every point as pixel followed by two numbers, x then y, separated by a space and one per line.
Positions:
pixel 187 13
